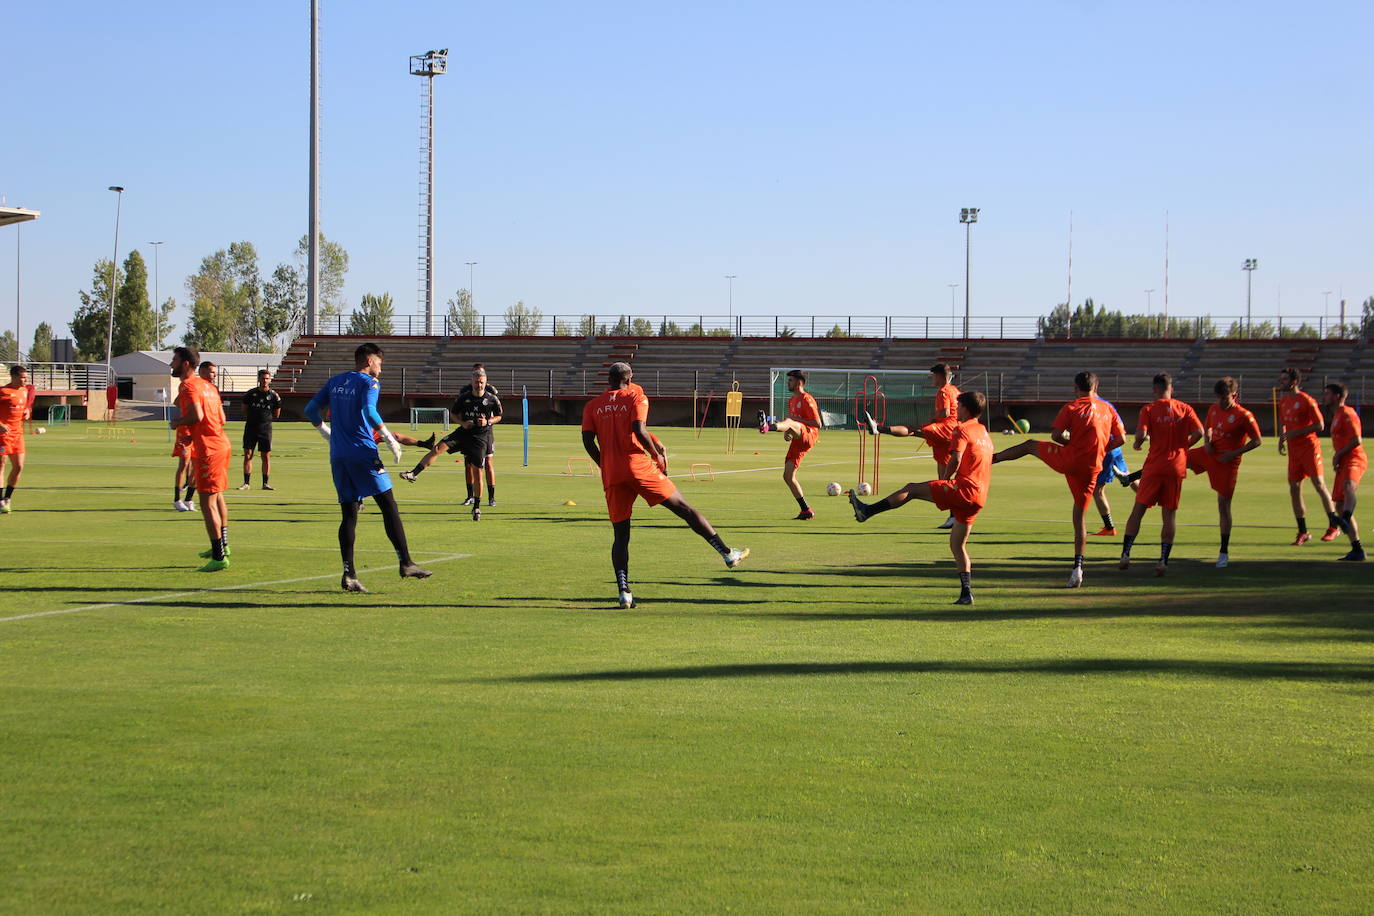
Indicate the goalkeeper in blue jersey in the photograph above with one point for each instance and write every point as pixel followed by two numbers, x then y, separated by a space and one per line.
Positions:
pixel 1113 468
pixel 351 398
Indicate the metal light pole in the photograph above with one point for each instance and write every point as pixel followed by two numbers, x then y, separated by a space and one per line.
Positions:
pixel 312 248
pixel 472 295
pixel 1250 266
pixel 1148 312
pixel 114 281
pixel 953 308
pixel 157 302
pixel 428 65
pixel 1326 305
pixel 730 303
pixel 968 216
pixel 17 349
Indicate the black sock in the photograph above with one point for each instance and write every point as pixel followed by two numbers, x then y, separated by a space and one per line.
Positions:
pixel 176 493
pixel 801 501
pixel 264 480
pixel 395 530
pixel 1078 561
pixel 1348 514
pixel 246 478
pixel 1226 542
pixel 9 491
pixel 216 549
pixel 348 527
pixel 1302 525
pixel 224 534
pixel 966 581
pixel 715 541
pixel 622 579
pixel 1126 543
pixel 1356 545
pixel 1107 520
pixel 491 494
pixel 190 491
pixel 884 429
pixel 1130 478
pixel 1164 550
pixel 874 508
pixel 416 471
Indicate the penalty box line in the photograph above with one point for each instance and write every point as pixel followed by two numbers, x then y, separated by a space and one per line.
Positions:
pixel 206 591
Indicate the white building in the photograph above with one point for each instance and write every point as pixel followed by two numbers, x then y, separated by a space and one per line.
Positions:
pixel 149 370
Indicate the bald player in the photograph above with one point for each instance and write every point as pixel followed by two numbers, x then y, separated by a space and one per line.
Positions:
pixel 1350 461
pixel 1230 432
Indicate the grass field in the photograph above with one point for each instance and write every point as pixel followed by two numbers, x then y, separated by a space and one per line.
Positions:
pixel 818 730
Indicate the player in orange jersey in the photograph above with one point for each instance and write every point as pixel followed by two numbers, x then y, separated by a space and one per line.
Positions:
pixel 1172 428
pixel 938 430
pixel 1302 420
pixel 1085 429
pixel 15 403
pixel 203 411
pixel 801 427
pixel 633 464
pixel 1350 461
pixel 183 452
pixel 1230 432
pixel 962 490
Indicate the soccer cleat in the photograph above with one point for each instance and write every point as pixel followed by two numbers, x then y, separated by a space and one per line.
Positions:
pixel 1222 560
pixel 4 506
pixel 214 566
pixel 407 476
pixel 476 512
pixel 946 524
pixel 470 500
pixel 411 571
pixel 350 584
pixel 1125 562
pixel 181 506
pixel 1301 539
pixel 1331 534
pixel 965 596
pixel 860 510
pixel 267 486
pixel 490 503
pixel 870 424
pixel 244 487
pixel 1105 533
pixel 1076 577
pixel 804 515
pixel 1161 568
pixel 736 557
pixel 627 601
pixel 428 443
pixel 1355 556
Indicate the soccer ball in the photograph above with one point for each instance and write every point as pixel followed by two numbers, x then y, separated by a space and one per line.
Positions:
pixel 863 489
pixel 832 489
pixel 41 430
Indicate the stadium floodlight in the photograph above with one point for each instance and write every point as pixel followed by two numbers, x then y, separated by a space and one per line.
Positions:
pixel 1250 266
pixel 730 300
pixel 114 278
pixel 472 296
pixel 427 65
pixel 968 216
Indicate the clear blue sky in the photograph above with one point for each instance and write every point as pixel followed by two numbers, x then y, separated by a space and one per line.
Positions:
pixel 624 157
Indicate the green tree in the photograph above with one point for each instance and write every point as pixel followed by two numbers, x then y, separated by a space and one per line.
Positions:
pixel 522 320
pixel 836 331
pixel 562 329
pixel 587 327
pixel 41 351
pixel 373 316
pixel 134 322
pixel 283 301
pixel 333 273
pixel 90 323
pixel 463 318
pixel 162 319
pixel 669 329
pixel 642 327
pixel 9 348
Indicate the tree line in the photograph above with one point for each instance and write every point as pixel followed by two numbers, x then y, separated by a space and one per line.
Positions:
pixel 1091 320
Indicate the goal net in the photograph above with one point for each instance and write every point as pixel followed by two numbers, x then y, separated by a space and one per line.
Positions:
pixel 909 394
pixel 427 415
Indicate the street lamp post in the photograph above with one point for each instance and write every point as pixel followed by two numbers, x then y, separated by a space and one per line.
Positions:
pixel 114 278
pixel 1148 311
pixel 157 302
pixel 953 308
pixel 1250 266
pixel 730 302
pixel 472 297
pixel 1326 304
pixel 968 216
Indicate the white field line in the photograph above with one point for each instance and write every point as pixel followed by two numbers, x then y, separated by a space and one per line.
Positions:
pixel 203 591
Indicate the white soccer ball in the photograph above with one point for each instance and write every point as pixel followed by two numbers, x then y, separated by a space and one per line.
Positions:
pixel 41 430
pixel 863 489
pixel 832 489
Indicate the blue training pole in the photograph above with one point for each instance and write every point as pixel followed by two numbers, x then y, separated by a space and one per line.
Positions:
pixel 525 419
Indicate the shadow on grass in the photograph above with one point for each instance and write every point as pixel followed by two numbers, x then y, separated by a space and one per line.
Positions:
pixel 1300 671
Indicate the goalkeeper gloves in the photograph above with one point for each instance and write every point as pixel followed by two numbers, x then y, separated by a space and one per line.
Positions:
pixel 391 443
pixel 323 430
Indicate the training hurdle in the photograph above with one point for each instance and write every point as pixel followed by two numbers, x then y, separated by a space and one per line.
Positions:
pixel 702 464
pixel 734 405
pixel 591 468
pixel 871 400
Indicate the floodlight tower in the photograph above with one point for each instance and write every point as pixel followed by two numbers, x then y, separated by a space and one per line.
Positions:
pixel 1250 266
pixel 429 65
pixel 968 216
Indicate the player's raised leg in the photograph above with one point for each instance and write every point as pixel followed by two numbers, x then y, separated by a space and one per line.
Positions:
pixel 801 429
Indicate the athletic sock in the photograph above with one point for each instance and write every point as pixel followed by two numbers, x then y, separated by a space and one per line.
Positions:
pixel 9 491
pixel 264 480
pixel 176 494
pixel 715 541
pixel 491 494
pixel 1078 561
pixel 246 479
pixel 1348 514
pixel 1226 542
pixel 622 579
pixel 1130 478
pixel 884 429
pixel 1126 543
pixel 224 534
pixel 395 529
pixel 419 468
pixel 801 501
pixel 1302 525
pixel 1164 550
pixel 216 549
pixel 874 508
pixel 1356 545
pixel 966 581
pixel 190 491
pixel 1107 520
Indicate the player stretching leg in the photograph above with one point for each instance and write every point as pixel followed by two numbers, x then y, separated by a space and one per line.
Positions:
pixel 802 427
pixel 938 429
pixel 962 491
pixel 16 401
pixel 202 412
pixel 633 464
pixel 1085 429
pixel 351 398
pixel 1231 431
pixel 261 405
pixel 1172 428
pixel 1350 461
pixel 476 410
pixel 1302 420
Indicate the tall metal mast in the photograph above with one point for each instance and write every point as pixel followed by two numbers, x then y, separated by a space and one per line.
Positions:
pixel 429 65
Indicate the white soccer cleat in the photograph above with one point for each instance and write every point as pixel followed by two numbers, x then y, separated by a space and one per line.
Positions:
pixel 1222 560
pixel 947 524
pixel 4 507
pixel 1076 577
pixel 245 487
pixel 627 601
pixel 408 476
pixel 736 557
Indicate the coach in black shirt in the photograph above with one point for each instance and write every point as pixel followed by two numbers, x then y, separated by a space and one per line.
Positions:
pixel 261 405
pixel 475 491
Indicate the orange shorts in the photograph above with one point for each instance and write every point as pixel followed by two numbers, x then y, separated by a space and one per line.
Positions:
pixel 1221 476
pixel 181 448
pixel 1081 481
pixel 1351 469
pixel 650 484
pixel 12 443
pixel 211 471
pixel 947 495
pixel 1160 489
pixel 801 444
pixel 1304 460
pixel 938 436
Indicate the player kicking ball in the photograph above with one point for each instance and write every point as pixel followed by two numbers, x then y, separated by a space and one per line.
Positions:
pixel 1231 431
pixel 1172 428
pixel 1302 421
pixel 633 464
pixel 476 411
pixel 1350 461
pixel 351 399
pixel 962 491
pixel 802 428
pixel 1084 431
pixel 938 430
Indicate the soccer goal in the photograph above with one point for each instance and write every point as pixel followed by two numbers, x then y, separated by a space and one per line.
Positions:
pixel 426 415
pixel 909 394
pixel 60 415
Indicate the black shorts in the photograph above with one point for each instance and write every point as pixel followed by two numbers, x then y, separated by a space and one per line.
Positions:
pixel 257 440
pixel 472 448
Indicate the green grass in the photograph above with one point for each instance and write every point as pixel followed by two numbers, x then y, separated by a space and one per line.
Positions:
pixel 818 730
